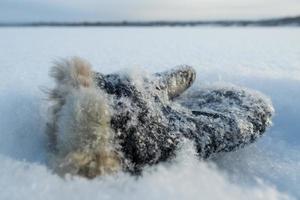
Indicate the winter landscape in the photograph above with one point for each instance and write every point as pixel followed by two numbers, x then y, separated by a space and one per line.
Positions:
pixel 265 59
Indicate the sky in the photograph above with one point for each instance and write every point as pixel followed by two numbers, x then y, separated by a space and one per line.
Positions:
pixel 116 10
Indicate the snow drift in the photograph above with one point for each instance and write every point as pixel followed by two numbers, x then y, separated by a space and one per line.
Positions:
pixel 265 59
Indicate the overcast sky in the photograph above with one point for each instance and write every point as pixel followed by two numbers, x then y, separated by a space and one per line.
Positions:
pixel 112 10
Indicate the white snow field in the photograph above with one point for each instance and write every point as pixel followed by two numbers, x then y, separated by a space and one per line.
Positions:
pixel 266 59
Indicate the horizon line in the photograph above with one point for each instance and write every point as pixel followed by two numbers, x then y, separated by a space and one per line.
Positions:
pixel 275 21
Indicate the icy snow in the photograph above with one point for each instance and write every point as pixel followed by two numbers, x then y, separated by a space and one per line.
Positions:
pixel 266 59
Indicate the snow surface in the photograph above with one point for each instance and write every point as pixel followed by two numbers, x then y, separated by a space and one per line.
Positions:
pixel 266 59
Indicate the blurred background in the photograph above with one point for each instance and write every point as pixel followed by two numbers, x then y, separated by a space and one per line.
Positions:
pixel 144 10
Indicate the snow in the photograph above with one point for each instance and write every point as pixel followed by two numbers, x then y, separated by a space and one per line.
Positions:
pixel 266 59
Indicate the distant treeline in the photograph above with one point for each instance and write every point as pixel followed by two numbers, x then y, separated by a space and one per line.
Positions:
pixel 287 21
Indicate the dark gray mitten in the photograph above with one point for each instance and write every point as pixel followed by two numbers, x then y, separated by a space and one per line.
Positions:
pixel 101 124
pixel 152 118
